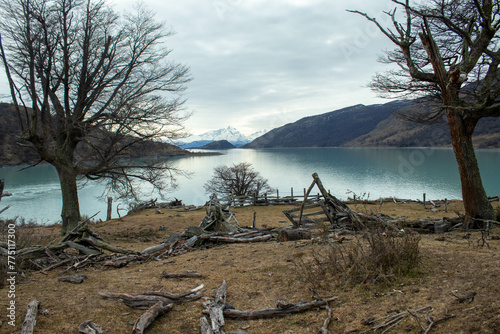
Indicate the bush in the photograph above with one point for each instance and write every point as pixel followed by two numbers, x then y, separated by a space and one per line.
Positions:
pixel 375 258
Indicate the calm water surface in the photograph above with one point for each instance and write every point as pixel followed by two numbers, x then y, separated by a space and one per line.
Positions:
pixel 378 172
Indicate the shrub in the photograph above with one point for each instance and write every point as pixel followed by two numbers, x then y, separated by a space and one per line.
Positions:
pixel 375 258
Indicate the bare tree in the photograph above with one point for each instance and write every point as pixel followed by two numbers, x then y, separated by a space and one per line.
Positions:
pixel 448 51
pixel 239 180
pixel 88 86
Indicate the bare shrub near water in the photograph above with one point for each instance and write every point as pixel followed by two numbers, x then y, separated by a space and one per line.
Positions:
pixel 377 257
pixel 28 233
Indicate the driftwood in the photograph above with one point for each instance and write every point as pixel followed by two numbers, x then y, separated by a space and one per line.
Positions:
pixel 81 248
pixel 88 327
pixel 216 238
pixel 205 326
pixel 329 316
pixel 280 310
pixel 30 318
pixel 186 274
pixel 149 316
pixel 150 298
pixel 216 309
pixel 75 279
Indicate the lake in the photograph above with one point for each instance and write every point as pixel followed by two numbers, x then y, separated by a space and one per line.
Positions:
pixel 378 172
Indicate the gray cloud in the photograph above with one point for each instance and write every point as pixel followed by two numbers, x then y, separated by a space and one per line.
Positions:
pixel 260 64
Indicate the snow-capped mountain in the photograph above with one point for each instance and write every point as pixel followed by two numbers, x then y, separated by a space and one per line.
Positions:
pixel 230 134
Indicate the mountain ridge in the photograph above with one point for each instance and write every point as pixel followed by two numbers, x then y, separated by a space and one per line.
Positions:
pixel 375 125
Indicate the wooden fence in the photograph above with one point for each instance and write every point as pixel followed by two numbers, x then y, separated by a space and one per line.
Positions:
pixel 270 199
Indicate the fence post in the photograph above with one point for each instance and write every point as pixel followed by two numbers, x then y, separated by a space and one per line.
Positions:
pixel 110 207
pixel 424 199
pixel 277 194
pixel 254 225
pixel 291 193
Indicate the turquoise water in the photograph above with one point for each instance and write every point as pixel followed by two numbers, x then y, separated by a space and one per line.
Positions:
pixel 378 172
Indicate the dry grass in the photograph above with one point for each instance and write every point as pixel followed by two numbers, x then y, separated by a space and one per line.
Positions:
pixel 259 274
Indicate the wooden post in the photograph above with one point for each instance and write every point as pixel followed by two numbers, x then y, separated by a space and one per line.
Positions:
pixel 30 318
pixel 277 194
pixel 254 224
pixel 291 193
pixel 424 199
pixel 110 207
pixel 254 199
pixel 265 197
pixel 445 205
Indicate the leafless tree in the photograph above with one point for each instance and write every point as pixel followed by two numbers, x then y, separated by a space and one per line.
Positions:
pixel 448 51
pixel 89 86
pixel 239 180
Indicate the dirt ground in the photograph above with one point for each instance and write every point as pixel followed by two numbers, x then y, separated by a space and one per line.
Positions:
pixel 259 274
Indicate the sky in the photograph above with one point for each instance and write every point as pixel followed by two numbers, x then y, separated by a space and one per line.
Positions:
pixel 260 64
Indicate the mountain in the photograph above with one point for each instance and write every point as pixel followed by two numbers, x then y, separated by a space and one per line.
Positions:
pixel 15 151
pixel 373 125
pixel 229 133
pixel 218 145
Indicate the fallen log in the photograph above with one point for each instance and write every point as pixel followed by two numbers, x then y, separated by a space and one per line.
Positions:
pixel 104 245
pixel 279 311
pixel 149 316
pixel 145 301
pixel 75 279
pixel 81 248
pixel 30 318
pixel 173 296
pixel 216 309
pixel 236 240
pixel 185 274
pixel 205 326
pixel 294 234
pixel 88 327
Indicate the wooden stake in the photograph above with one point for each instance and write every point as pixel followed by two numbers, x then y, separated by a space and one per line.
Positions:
pixel 254 224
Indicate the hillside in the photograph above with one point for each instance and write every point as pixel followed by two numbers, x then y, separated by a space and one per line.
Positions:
pixel 15 151
pixel 218 145
pixel 373 125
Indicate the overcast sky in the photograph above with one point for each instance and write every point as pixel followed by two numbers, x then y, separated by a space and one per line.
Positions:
pixel 259 64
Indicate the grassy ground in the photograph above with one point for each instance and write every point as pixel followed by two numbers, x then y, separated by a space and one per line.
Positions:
pixel 259 274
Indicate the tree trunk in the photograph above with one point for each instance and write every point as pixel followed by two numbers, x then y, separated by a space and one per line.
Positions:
pixel 474 196
pixel 71 207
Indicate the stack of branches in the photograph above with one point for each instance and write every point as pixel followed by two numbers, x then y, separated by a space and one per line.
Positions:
pixel 219 218
pixel 83 248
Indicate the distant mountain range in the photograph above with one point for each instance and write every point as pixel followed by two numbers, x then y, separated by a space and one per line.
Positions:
pixel 373 125
pixel 230 134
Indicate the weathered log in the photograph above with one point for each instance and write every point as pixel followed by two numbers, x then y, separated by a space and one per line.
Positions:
pixel 149 316
pixel 294 234
pixel 30 318
pixel 216 309
pixel 236 240
pixel 185 274
pixel 75 279
pixel 156 249
pixel 81 248
pixel 143 301
pixel 205 326
pixel 276 311
pixel 88 327
pixel 174 296
pixel 104 245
